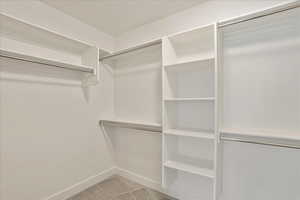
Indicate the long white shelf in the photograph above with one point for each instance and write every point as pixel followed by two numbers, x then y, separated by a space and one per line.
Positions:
pixel 273 138
pixel 190 169
pixel 35 59
pixel 153 127
pixel 190 99
pixel 188 133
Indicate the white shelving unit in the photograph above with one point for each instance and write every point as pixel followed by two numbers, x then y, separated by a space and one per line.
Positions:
pixel 189 77
pixel 29 42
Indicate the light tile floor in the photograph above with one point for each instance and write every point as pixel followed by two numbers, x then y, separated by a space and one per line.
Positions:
pixel 119 188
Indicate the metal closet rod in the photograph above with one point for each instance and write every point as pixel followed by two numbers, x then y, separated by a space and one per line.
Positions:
pixel 271 11
pixel 45 63
pixel 261 140
pixel 131 49
pixel 132 125
pixel 260 143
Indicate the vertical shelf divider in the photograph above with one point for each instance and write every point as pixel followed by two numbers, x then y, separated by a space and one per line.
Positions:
pixel 217 156
pixel 163 109
pixel 184 80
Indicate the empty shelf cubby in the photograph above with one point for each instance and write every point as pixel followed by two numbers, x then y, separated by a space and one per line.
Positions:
pixel 190 155
pixel 189 46
pixel 190 80
pixel 190 116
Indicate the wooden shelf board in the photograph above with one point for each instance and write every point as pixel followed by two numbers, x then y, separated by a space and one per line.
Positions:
pixel 189 169
pixel 188 133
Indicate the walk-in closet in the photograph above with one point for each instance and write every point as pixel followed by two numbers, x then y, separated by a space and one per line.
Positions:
pixel 149 100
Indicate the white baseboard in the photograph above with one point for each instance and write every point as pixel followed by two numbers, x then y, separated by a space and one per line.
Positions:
pixel 82 185
pixel 93 180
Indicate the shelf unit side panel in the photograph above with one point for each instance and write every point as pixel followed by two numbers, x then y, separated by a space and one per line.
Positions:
pixel 218 93
pixel 163 92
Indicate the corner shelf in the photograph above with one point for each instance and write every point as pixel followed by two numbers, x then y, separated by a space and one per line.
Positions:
pixel 187 133
pixel 190 169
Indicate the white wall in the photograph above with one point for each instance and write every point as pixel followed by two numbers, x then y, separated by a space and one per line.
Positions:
pixel 49 133
pixel 205 13
pixel 50 138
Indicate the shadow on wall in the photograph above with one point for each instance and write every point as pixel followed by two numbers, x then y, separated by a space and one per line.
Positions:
pixel 29 72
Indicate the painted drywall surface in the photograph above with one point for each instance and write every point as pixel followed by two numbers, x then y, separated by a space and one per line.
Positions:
pixel 50 138
pixel 203 14
pixel 39 13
